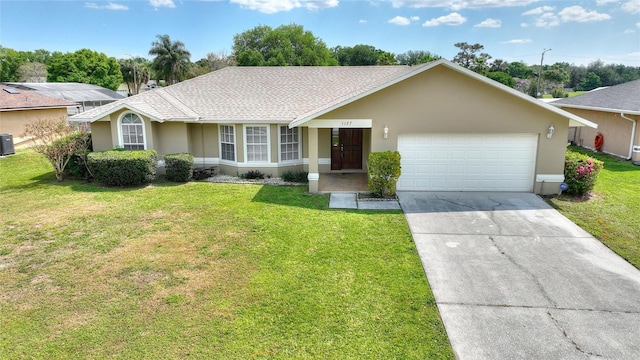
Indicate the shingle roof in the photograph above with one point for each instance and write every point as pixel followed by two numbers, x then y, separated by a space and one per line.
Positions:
pixel 288 95
pixel 76 92
pixel 24 100
pixel 619 98
pixel 270 94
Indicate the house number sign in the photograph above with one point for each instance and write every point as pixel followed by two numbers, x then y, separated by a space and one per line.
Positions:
pixel 340 123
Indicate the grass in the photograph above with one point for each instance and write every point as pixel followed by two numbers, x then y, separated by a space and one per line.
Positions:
pixel 204 270
pixel 612 212
pixel 570 93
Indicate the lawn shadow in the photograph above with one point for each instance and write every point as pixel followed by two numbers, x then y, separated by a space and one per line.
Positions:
pixel 291 196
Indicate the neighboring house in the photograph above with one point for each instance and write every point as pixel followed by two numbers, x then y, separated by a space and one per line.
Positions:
pixel 84 96
pixel 17 108
pixel 456 130
pixel 616 110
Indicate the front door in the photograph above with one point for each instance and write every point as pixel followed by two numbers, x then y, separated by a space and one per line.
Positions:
pixel 346 149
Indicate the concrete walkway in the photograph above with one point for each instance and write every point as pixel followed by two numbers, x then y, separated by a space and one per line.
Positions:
pixel 346 200
pixel 514 279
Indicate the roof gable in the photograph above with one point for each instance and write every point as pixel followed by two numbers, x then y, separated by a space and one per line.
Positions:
pixel 618 98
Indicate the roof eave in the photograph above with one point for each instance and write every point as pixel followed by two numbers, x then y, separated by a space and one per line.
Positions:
pixel 596 108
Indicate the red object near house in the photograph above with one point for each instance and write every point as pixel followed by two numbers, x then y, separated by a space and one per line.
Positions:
pixel 598 142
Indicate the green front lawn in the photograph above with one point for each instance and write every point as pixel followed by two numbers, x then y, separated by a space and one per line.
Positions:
pixel 204 270
pixel 612 213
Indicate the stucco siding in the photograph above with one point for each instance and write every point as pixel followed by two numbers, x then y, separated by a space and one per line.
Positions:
pixel 616 131
pixel 101 136
pixel 13 122
pixel 172 137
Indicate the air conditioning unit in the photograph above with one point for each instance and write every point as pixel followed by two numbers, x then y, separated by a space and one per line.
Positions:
pixel 6 145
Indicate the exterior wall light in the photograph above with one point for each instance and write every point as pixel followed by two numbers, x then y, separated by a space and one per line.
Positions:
pixel 550 131
pixel 385 134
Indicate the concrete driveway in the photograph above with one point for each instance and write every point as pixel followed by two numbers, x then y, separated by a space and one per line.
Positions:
pixel 514 279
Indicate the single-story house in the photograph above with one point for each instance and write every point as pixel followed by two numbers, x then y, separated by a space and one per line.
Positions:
pixel 17 108
pixel 616 110
pixel 82 96
pixel 455 129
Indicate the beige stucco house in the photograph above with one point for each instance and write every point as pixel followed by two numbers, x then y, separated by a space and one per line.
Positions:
pixel 456 130
pixel 18 107
pixel 616 110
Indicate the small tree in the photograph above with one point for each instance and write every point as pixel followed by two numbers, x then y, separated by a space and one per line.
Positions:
pixel 384 171
pixel 54 139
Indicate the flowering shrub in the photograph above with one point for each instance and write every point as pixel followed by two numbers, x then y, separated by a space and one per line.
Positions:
pixel 580 173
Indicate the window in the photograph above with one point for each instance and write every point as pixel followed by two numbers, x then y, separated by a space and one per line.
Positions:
pixel 289 144
pixel 132 129
pixel 227 143
pixel 257 143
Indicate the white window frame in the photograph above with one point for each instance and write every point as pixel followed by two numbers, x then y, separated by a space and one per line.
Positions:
pixel 280 143
pixel 121 143
pixel 246 144
pixel 235 142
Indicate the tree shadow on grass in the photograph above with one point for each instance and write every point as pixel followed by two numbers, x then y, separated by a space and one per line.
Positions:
pixel 291 196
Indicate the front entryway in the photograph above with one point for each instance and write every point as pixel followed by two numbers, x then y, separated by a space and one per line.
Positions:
pixel 346 149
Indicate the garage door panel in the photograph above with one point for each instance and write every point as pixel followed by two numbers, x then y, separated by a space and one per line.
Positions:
pixel 467 162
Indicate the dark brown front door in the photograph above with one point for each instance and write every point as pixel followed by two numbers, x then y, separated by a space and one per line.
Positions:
pixel 346 149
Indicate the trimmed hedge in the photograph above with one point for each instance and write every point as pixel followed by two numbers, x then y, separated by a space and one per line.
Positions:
pixel 580 173
pixel 123 168
pixel 295 177
pixel 384 171
pixel 179 167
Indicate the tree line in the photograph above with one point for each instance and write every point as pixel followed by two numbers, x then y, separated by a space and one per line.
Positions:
pixel 290 45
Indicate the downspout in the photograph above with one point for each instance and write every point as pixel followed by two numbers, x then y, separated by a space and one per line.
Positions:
pixel 633 134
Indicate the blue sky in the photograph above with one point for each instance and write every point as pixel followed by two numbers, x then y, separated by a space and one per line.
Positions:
pixel 578 32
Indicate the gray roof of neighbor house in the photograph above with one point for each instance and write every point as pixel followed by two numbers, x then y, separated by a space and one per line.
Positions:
pixel 618 98
pixel 288 95
pixel 69 91
pixel 12 99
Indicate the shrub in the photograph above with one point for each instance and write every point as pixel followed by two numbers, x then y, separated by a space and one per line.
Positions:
pixel 123 168
pixel 559 93
pixel 384 171
pixel 179 167
pixel 580 173
pixel 252 174
pixel 295 176
pixel 77 167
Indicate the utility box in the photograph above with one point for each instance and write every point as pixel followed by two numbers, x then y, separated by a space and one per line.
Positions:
pixel 6 145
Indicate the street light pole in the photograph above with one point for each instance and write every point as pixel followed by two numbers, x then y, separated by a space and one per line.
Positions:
pixel 540 74
pixel 135 80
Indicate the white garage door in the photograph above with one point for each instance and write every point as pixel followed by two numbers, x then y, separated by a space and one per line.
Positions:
pixel 467 162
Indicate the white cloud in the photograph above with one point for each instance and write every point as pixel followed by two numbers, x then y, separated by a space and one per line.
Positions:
pixel 362 21
pixel 400 20
pixel 579 14
pixel 452 19
pixel 162 3
pixel 632 6
pixel 524 25
pixel 629 31
pixel 489 23
pixel 460 4
pixel 539 10
pixel 638 25
pixel 274 6
pixel 517 41
pixel 108 6
pixel 415 18
pixel 605 2
pixel 547 20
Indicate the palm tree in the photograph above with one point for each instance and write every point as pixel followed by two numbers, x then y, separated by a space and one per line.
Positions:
pixel 171 60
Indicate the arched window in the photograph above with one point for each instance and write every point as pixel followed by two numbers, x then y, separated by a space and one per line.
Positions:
pixel 132 129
